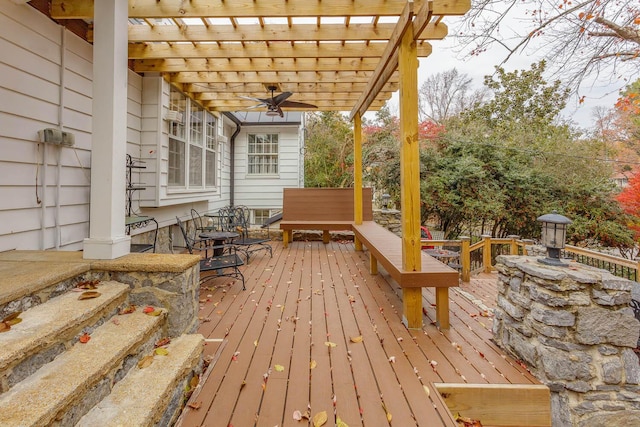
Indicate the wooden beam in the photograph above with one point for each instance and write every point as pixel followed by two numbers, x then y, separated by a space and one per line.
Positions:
pixel 263 77
pixel 388 62
pixel 526 405
pixel 330 107
pixel 257 65
pixel 83 9
pixel 296 87
pixel 308 96
pixel 261 50
pixel 272 33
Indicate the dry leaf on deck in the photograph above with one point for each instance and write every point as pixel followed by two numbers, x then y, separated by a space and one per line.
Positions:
pixel 313 364
pixel 467 422
pixel 356 339
pixel 89 295
pixel 340 423
pixel 194 405
pixel 145 361
pixel 148 309
pixel 278 368
pixel 84 338
pixel 320 419
pixel 88 284
pixel 297 415
pixel 11 317
pixel 162 342
pixel 195 380
pixel 330 344
pixel 157 312
pixel 4 327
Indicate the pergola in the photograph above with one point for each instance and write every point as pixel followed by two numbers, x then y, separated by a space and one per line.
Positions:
pixel 345 55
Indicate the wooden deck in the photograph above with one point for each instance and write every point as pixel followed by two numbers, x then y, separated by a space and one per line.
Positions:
pixel 314 331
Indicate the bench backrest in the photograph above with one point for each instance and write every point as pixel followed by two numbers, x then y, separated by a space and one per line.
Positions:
pixel 323 204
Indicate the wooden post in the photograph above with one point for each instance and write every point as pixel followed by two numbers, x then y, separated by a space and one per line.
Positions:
pixel 466 258
pixel 357 172
pixel 513 245
pixel 410 174
pixel 285 238
pixel 486 253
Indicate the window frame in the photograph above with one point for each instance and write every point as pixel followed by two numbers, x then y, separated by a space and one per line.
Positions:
pixel 261 153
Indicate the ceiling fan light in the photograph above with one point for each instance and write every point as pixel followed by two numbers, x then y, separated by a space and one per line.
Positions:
pixel 272 113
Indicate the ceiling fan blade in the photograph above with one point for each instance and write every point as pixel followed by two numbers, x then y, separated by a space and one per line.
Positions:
pixel 260 100
pixel 294 104
pixel 279 99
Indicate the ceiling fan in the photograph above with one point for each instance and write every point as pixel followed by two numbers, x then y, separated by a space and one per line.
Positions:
pixel 277 102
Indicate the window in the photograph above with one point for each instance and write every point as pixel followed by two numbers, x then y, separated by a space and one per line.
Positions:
pixel 192 145
pixel 260 216
pixel 263 154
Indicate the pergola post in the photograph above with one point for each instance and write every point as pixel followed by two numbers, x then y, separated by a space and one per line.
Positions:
pixel 107 239
pixel 357 171
pixel 410 175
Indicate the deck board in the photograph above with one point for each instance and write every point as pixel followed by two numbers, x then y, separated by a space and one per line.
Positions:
pixel 311 293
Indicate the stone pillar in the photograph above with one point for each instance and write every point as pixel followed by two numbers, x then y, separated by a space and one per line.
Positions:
pixel 573 327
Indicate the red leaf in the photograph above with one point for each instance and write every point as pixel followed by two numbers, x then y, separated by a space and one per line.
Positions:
pixel 148 309
pixel 84 338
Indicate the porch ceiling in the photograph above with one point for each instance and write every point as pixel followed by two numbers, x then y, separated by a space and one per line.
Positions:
pixel 336 54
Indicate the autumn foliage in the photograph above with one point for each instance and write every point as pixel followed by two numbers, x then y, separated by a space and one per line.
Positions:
pixel 629 200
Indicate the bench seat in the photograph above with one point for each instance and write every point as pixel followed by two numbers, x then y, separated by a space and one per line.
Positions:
pixel 385 248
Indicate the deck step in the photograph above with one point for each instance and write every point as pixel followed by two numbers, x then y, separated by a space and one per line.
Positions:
pixel 152 395
pixel 48 329
pixel 63 390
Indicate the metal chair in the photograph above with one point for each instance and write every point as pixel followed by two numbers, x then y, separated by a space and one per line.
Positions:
pixel 199 223
pixel 236 219
pixel 223 265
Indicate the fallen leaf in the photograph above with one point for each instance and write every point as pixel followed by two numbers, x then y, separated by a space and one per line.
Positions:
pixel 297 415
pixel 356 339
pixel 255 343
pixel 195 405
pixel 162 342
pixel 426 390
pixel 89 295
pixel 313 364
pixel 278 368
pixel 195 380
pixel 11 317
pixel 340 423
pixel 88 284
pixel 161 351
pixel 4 327
pixel 145 362
pixel 148 309
pixel 467 422
pixel 330 344
pixel 433 364
pixel 392 359
pixel 157 312
pixel 128 310
pixel 320 419
pixel 84 338
pixel 13 321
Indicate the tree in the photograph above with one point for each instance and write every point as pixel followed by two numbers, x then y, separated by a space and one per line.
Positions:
pixel 588 38
pixel 328 155
pixel 447 94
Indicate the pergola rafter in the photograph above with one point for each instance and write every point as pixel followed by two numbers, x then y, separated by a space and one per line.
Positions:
pixel 242 47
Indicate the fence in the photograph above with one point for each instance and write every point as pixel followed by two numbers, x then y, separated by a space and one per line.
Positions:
pixel 481 255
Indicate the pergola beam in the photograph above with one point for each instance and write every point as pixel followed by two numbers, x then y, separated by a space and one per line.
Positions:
pixel 83 9
pixel 262 51
pixel 267 76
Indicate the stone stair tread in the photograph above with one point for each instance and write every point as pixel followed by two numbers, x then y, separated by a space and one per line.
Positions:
pixel 140 398
pixel 39 398
pixel 43 324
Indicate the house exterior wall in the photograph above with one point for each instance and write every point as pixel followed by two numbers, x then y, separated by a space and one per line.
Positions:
pixel 265 192
pixel 46 82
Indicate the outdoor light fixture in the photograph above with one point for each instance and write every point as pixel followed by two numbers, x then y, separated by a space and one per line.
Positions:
pixel 272 113
pixel 554 232
pixel 385 201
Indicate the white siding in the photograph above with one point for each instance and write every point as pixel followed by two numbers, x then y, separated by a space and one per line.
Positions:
pixel 36 59
pixel 261 192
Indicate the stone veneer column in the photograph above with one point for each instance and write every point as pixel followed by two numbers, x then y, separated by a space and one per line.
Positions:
pixel 573 327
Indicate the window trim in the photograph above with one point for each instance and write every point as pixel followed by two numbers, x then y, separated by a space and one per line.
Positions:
pixel 278 165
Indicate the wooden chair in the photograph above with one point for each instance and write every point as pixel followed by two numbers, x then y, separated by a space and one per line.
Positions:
pixel 236 219
pixel 226 265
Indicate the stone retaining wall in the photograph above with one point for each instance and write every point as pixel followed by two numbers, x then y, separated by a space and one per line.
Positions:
pixel 573 327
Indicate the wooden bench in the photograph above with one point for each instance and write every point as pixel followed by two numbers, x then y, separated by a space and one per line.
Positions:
pixel 325 209
pixel 385 248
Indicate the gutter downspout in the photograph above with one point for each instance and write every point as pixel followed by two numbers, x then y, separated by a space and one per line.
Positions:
pixel 63 48
pixel 232 147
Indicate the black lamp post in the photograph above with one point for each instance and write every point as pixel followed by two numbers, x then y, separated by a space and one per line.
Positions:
pixel 385 201
pixel 554 233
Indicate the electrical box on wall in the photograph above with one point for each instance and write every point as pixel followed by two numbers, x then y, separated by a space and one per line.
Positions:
pixel 57 137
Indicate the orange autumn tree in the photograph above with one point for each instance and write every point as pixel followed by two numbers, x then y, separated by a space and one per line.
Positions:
pixel 629 200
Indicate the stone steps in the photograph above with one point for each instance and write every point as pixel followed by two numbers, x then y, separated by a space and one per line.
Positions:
pixel 48 329
pixel 51 378
pixel 168 376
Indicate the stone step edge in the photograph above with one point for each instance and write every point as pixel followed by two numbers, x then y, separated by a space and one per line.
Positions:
pixel 59 320
pixel 152 395
pixel 59 388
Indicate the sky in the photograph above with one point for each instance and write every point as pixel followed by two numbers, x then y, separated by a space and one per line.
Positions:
pixel 445 57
